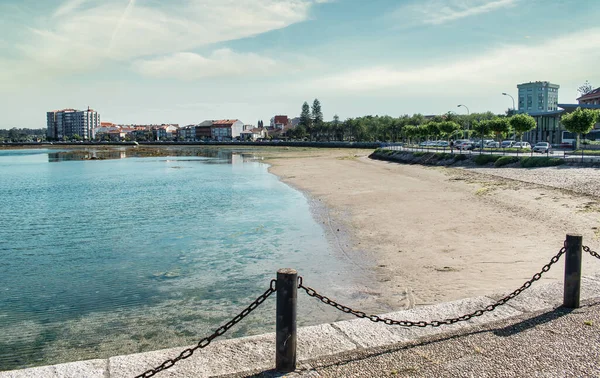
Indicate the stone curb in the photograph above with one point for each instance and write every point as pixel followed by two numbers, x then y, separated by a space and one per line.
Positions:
pixel 257 353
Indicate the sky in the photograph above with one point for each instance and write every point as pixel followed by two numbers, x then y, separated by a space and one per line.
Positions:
pixel 184 61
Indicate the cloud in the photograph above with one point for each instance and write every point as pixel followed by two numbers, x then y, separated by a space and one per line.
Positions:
pixel 555 60
pixel 83 34
pixel 68 7
pixel 223 62
pixel 436 12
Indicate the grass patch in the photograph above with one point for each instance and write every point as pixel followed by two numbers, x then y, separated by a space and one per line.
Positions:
pixel 505 160
pixel 536 162
pixel 586 152
pixel 460 157
pixel 419 154
pixel 483 191
pixel 486 159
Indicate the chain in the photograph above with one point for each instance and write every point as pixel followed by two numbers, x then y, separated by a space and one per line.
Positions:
pixel 588 250
pixel 207 340
pixel 435 323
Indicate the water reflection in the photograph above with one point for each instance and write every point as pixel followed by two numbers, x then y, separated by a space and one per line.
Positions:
pixel 220 156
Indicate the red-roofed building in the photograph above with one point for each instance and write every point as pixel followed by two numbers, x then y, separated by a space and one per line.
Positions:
pixel 592 98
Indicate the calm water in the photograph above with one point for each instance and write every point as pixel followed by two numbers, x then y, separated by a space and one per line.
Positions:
pixel 106 257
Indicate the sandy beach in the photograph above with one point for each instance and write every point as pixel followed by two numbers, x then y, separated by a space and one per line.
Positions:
pixel 428 234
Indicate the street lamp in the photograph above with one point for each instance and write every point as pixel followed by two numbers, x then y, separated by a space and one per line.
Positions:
pixel 468 114
pixel 513 100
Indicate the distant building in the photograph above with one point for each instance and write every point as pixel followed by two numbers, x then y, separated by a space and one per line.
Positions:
pixel 203 130
pixel 253 134
pixel 295 121
pixel 538 96
pixel 227 129
pixel 592 98
pixel 279 122
pixel 66 123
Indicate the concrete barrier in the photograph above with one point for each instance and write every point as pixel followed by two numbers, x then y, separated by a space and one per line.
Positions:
pixel 257 353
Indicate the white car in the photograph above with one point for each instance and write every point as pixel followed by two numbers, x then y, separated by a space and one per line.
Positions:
pixel 493 145
pixel 542 147
pixel 524 145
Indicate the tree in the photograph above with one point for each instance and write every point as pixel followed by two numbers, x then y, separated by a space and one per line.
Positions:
pixel 482 128
pixel 305 120
pixel 499 126
pixel 449 129
pixel 522 123
pixel 585 88
pixel 410 132
pixel 317 116
pixel 433 129
pixel 580 122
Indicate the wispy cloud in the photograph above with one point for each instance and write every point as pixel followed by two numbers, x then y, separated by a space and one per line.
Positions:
pixel 123 18
pixel 82 34
pixel 223 62
pixel 68 7
pixel 436 12
pixel 550 60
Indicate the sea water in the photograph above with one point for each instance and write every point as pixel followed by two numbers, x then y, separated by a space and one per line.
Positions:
pixel 115 256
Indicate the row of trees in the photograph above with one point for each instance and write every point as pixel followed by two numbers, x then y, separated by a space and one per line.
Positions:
pixel 418 127
pixel 22 135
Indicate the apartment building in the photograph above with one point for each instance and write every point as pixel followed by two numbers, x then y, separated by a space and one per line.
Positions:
pixel 67 123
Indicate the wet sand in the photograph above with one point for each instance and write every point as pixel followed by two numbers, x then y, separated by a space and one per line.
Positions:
pixel 428 234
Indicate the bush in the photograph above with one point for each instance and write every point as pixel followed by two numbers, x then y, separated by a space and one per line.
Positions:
pixel 535 162
pixel 460 157
pixel 486 159
pixel 419 154
pixel 505 160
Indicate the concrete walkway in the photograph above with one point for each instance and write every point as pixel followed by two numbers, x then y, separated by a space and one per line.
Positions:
pixel 526 337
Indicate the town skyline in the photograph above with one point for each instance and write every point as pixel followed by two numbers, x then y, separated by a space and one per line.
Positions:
pixel 147 63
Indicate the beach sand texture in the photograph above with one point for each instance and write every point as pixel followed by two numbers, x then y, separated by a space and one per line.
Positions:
pixel 429 234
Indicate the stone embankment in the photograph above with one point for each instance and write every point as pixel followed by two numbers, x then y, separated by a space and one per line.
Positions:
pixel 358 348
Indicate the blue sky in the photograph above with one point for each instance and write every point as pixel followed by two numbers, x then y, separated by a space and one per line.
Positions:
pixel 184 61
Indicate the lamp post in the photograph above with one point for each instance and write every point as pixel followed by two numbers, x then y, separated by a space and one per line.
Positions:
pixel 468 114
pixel 512 98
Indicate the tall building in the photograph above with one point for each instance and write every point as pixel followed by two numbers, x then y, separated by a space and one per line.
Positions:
pixel 69 122
pixel 538 96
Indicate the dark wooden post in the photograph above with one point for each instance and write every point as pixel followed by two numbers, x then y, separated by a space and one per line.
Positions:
pixel 285 339
pixel 572 271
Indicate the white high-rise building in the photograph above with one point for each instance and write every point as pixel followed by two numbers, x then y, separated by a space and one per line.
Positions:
pixel 70 122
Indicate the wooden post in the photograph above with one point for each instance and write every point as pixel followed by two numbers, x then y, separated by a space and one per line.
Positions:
pixel 572 271
pixel 285 339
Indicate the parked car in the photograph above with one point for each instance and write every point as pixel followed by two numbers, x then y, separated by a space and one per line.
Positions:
pixel 523 145
pixel 443 143
pixel 542 147
pixel 465 145
pixel 507 143
pixel 493 145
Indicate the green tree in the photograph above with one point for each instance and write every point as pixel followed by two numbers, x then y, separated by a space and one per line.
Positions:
pixel 580 122
pixel 481 129
pixel 76 137
pixel 449 129
pixel 410 132
pixel 317 117
pixel 522 123
pixel 499 126
pixel 433 129
pixel 305 120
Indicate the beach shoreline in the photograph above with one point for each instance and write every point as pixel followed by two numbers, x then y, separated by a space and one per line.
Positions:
pixel 434 234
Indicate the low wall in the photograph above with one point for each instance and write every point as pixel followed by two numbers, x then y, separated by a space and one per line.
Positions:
pixel 254 354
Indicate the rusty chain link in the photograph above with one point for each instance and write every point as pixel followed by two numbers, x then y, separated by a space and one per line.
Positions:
pixel 588 250
pixel 219 332
pixel 435 323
